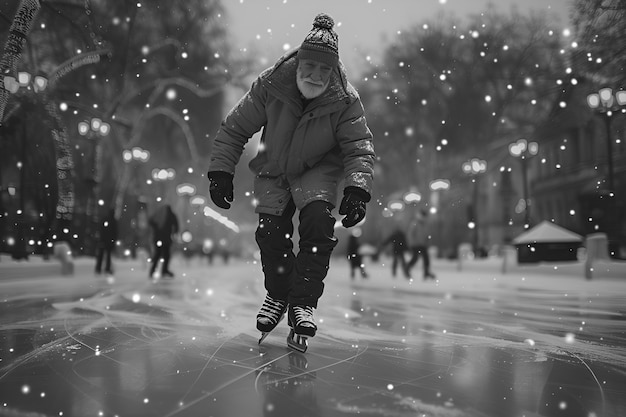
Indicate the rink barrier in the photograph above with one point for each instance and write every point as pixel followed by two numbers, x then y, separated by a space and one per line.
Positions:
pixel 63 253
pixel 597 245
pixel 465 253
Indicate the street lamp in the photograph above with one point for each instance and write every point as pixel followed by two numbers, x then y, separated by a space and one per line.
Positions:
pixel 95 125
pixel 93 130
pixel 135 154
pixel 473 168
pixel 16 86
pixel 186 190
pixel 161 175
pixel 436 187
pixel 24 79
pixel 412 197
pixel 524 150
pixel 605 103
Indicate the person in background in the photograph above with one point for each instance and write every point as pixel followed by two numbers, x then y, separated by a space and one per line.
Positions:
pixel 107 239
pixel 418 239
pixel 354 256
pixel 164 225
pixel 397 239
pixel 315 137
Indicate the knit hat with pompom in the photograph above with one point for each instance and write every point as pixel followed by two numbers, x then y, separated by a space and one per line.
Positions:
pixel 322 43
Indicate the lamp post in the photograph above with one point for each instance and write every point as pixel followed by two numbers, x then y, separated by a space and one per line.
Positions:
pixel 23 84
pixel 605 103
pixel 473 168
pixel 136 156
pixel 524 150
pixel 138 215
pixel 186 190
pixel 37 83
pixel 93 130
pixel 161 175
pixel 436 187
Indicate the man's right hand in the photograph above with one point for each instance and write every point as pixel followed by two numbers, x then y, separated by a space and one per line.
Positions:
pixel 221 188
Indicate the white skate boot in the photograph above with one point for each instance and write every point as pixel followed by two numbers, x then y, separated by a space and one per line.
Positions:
pixel 302 325
pixel 271 313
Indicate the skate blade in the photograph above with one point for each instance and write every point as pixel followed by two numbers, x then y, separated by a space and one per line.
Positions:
pixel 263 336
pixel 297 342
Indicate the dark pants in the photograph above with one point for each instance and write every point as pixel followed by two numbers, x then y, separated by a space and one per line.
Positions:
pixel 104 254
pixel 161 251
pixel 398 258
pixel 299 278
pixel 418 251
pixel 356 262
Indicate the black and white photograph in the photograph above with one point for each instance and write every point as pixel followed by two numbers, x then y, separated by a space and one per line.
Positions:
pixel 331 208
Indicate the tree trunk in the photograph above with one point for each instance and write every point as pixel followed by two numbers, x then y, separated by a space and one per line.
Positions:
pixel 12 51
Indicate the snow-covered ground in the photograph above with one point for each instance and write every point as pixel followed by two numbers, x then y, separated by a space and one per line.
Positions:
pixel 538 340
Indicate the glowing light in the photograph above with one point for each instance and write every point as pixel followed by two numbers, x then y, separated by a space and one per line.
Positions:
pixel 186 189
pixel 186 236
pixel 209 212
pixel 412 197
pixel 395 206
pixel 439 184
pixel 198 200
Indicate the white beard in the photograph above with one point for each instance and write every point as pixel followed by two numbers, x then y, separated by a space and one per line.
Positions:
pixel 308 89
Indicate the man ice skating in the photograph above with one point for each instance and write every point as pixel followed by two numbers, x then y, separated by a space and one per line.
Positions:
pixel 314 136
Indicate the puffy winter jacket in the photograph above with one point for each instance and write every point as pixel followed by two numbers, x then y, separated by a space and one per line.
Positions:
pixel 304 152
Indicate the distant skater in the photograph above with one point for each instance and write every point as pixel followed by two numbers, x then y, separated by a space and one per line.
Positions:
pixel 354 256
pixel 164 224
pixel 418 239
pixel 398 246
pixel 107 239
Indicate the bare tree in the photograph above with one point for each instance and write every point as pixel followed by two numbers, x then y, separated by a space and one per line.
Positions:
pixel 600 26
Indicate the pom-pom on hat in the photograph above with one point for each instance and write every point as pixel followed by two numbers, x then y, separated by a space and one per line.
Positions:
pixel 322 43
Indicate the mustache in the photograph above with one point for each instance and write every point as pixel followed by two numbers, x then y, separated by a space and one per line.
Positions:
pixel 311 81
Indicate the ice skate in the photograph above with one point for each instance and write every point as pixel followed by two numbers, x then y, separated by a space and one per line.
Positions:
pixel 302 327
pixel 429 275
pixel 297 342
pixel 271 313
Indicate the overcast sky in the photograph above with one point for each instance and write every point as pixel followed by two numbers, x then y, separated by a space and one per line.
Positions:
pixel 364 26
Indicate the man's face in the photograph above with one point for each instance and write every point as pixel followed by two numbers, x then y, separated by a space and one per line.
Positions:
pixel 312 77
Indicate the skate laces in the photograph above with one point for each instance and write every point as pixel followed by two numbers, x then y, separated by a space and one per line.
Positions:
pixel 271 310
pixel 304 316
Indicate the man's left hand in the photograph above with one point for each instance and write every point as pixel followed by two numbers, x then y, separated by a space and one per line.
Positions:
pixel 353 205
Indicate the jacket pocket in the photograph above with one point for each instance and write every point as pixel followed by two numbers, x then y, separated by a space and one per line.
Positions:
pixel 272 194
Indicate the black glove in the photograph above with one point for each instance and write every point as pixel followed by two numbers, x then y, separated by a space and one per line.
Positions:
pixel 353 205
pixel 221 188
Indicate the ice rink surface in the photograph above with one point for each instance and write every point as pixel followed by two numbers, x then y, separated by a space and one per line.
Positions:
pixel 535 341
